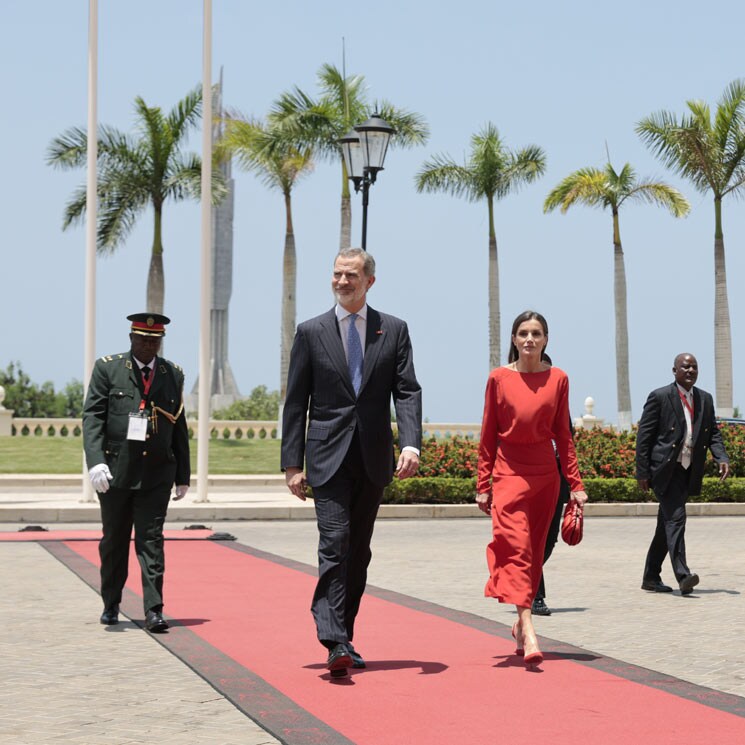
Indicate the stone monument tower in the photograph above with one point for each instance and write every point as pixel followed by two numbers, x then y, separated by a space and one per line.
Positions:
pixel 224 390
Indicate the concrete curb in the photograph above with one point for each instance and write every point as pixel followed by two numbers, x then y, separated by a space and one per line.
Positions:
pixel 34 480
pixel 214 512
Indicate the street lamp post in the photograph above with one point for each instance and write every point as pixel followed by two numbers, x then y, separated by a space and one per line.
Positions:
pixel 364 150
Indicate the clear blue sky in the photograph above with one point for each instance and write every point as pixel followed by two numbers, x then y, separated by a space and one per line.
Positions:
pixel 569 77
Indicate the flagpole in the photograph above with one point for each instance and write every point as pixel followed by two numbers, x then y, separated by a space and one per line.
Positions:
pixel 205 383
pixel 91 213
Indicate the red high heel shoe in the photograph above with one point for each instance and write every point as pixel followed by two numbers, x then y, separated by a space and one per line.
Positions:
pixel 535 657
pixel 517 635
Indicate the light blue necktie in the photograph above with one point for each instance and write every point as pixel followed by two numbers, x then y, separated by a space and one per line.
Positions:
pixel 354 354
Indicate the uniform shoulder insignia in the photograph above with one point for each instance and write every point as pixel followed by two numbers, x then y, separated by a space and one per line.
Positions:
pixel 174 365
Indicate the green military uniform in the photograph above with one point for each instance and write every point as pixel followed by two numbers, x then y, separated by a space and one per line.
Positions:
pixel 144 471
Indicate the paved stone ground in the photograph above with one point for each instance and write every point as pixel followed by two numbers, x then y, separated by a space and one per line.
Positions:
pixel 67 679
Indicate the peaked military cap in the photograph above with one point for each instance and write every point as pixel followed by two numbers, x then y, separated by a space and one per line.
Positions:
pixel 149 324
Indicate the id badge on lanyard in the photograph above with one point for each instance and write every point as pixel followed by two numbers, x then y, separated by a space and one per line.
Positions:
pixel 137 428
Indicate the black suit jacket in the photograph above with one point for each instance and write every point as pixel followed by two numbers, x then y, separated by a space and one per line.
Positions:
pixel 114 391
pixel 320 393
pixel 662 428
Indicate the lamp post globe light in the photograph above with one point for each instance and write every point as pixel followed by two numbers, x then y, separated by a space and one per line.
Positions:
pixel 364 150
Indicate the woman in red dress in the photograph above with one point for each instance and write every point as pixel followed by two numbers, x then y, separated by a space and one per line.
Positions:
pixel 526 411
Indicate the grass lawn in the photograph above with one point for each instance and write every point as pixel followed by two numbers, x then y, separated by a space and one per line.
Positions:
pixel 65 454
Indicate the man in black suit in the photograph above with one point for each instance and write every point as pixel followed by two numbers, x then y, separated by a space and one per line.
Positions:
pixel 676 429
pixel 136 447
pixel 345 367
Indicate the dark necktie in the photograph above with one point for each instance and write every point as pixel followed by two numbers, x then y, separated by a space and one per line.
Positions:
pixel 354 353
pixel 145 373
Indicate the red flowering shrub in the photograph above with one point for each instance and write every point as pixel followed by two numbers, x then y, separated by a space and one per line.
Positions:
pixel 455 457
pixel 601 453
pixel 734 443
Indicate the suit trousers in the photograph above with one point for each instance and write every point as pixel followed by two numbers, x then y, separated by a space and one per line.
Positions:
pixel 669 536
pixel 121 509
pixel 346 508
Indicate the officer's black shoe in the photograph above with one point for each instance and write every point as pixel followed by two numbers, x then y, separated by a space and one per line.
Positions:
pixel 154 622
pixel 540 608
pixel 655 586
pixel 110 615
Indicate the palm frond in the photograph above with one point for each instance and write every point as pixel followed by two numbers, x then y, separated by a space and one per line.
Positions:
pixel 588 186
pixel 523 167
pixel 411 128
pixel 134 172
pixel 334 85
pixel 75 208
pixel 662 195
pixel 68 150
pixel 442 174
pixel 185 114
pixel 117 217
pixel 267 151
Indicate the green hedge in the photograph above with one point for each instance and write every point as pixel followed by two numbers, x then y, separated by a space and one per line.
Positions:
pixel 430 490
pixel 433 490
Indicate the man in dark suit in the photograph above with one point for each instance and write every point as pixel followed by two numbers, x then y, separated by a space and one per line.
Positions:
pixel 136 447
pixel 676 429
pixel 345 367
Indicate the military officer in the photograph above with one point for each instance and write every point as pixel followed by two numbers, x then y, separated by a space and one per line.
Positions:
pixel 136 447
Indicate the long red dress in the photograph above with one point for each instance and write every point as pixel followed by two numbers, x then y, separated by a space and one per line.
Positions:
pixel 524 414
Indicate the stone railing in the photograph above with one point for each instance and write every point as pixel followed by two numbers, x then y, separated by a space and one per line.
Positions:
pixel 470 431
pixel 220 429
pixel 46 427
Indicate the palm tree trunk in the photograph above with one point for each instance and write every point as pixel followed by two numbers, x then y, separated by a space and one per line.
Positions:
pixel 289 283
pixel 623 392
pixel 345 236
pixel 494 319
pixel 155 277
pixel 722 327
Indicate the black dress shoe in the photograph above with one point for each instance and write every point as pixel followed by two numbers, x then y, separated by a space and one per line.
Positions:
pixel 655 586
pixel 688 583
pixel 154 622
pixel 110 615
pixel 339 660
pixel 540 608
pixel 357 662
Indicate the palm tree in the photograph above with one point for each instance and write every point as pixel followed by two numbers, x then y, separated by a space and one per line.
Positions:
pixel 319 123
pixel 491 172
pixel 607 189
pixel 134 172
pixel 711 155
pixel 265 151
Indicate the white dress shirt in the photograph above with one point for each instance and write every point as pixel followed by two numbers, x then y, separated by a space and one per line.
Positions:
pixel 686 451
pixel 342 317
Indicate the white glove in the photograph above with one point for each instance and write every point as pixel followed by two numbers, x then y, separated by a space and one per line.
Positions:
pixel 181 491
pixel 100 477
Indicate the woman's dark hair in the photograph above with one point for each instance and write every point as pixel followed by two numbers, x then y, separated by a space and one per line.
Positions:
pixel 527 315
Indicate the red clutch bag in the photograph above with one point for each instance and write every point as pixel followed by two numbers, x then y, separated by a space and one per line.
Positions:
pixel 571 525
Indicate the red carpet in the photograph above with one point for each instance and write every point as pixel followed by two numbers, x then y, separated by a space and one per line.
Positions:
pixel 93 535
pixel 434 676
